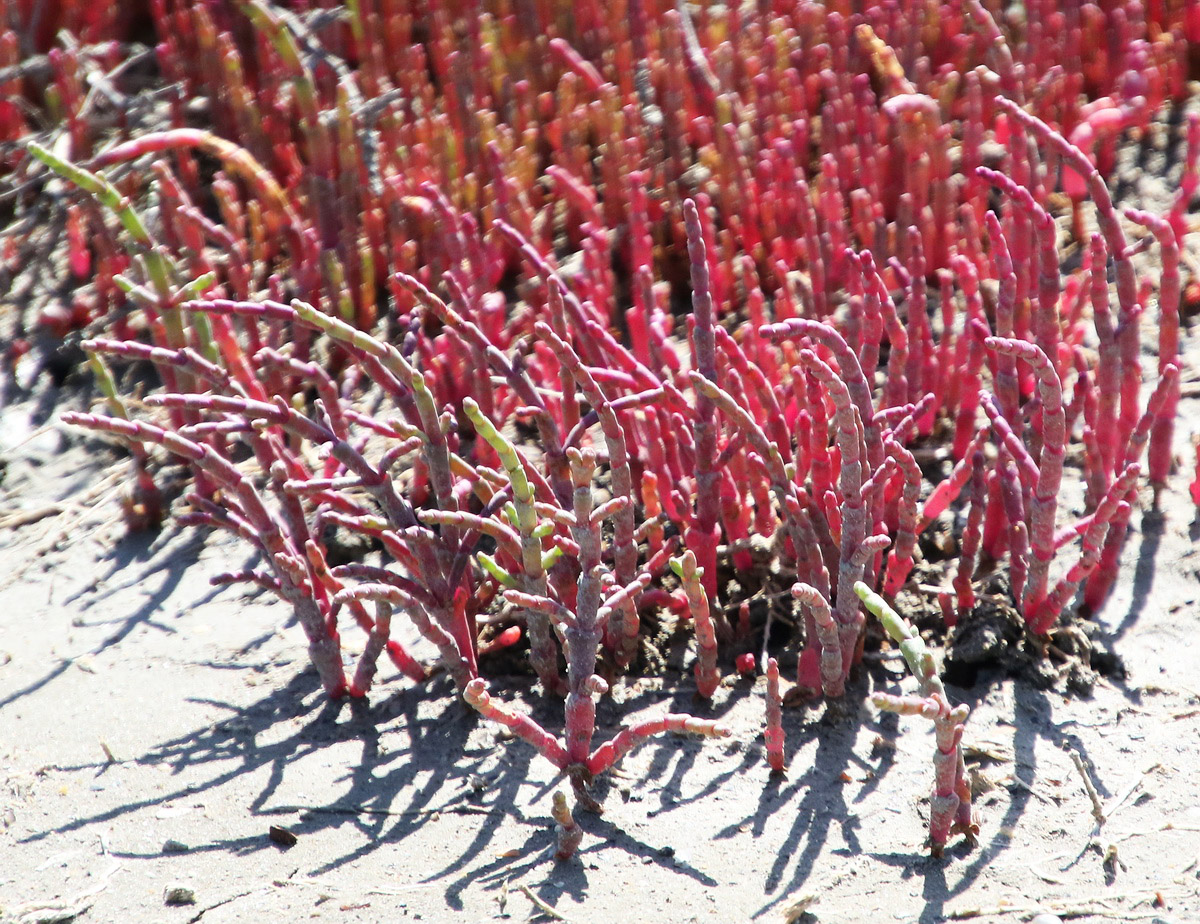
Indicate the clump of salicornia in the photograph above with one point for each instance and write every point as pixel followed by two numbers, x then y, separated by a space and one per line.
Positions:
pixel 428 268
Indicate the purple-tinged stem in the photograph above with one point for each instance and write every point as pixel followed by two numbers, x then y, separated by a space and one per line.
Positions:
pixel 1007 388
pixel 703 535
pixel 1013 499
pixel 1109 363
pixel 584 637
pixel 1159 460
pixel 900 559
pixel 1044 501
pixel 823 638
pixel 853 505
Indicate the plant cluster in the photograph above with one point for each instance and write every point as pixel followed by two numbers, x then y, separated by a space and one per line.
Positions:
pixel 594 315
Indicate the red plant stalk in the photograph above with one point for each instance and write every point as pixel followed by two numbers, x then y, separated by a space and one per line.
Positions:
pixel 968 556
pixel 1046 324
pixel 1109 362
pixel 822 644
pixel 950 803
pixel 1093 544
pixel 1100 582
pixel 774 733
pixel 900 559
pixel 629 738
pixel 1018 530
pixel 1008 391
pixel 1189 181
pixel 1169 296
pixel 968 357
pixel 703 534
pixel 569 833
pixel 521 725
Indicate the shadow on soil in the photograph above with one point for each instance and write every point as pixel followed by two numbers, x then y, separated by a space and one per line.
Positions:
pixel 163 558
pixel 388 792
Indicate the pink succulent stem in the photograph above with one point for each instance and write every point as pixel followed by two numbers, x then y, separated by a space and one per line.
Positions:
pixel 1006 383
pixel 1100 582
pixel 774 733
pixel 627 739
pixel 900 559
pixel 1046 324
pixel 523 726
pixel 1018 529
pixel 968 555
pixel 1093 544
pixel 1044 502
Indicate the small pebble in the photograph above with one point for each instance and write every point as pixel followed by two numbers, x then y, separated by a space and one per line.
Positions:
pixel 173 846
pixel 179 895
pixel 1047 919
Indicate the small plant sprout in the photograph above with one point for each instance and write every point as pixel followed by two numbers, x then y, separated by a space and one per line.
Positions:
pixel 950 804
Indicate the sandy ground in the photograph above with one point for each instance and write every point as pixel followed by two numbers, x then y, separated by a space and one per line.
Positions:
pixel 154 729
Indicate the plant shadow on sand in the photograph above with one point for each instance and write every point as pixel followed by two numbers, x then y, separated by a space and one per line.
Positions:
pixel 163 558
pixel 380 793
pixel 416 758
